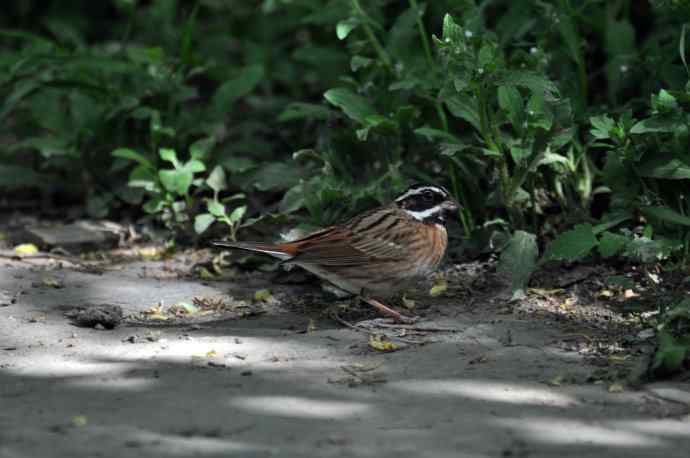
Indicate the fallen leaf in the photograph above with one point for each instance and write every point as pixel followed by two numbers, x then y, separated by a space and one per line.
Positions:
pixel 381 343
pixel 263 295
pixel 556 381
pixel 409 304
pixel 26 249
pixel 629 294
pixel 604 294
pixel 206 274
pixel 439 288
pixel 51 282
pixel 151 252
pixel 79 420
pixel 616 388
pixel 617 359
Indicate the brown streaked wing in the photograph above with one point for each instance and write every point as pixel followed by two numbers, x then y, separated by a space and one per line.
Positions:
pixel 361 240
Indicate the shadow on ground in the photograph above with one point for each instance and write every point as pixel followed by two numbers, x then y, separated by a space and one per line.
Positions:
pixel 500 386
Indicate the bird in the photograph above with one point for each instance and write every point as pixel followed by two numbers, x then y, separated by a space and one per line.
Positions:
pixel 377 253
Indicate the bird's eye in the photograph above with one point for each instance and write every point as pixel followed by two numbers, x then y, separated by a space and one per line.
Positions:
pixel 428 196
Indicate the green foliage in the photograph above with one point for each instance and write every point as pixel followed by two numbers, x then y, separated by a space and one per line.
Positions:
pixel 519 260
pixel 673 352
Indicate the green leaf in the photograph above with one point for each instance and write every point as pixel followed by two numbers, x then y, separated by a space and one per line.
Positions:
pixel 293 199
pixel 432 134
pixel 176 181
pixel 611 244
pixel 535 82
pixel 248 78
pixel 518 261
pixel 665 166
pixel 15 176
pixel 510 101
pixel 670 355
pixel 355 106
pixel 655 124
pixel 215 208
pixel 573 244
pixel 200 149
pixel 203 222
pixel 216 180
pixel 126 153
pixel 665 214
pixel 464 107
pixel 343 28
pixel 276 176
pixel 194 166
pixel 169 155
pixel 143 177
pixel 452 32
pixel 239 164
pixel 299 110
pixel 602 126
pixel 237 214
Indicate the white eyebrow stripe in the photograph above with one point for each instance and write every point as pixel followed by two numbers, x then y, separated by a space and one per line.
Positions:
pixel 422 215
pixel 412 192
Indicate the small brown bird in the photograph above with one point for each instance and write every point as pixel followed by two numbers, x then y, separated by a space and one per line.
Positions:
pixel 376 253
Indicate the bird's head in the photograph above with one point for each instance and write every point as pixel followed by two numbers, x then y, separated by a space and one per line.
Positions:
pixel 427 203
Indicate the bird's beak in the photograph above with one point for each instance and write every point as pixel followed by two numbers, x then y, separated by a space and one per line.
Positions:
pixel 451 206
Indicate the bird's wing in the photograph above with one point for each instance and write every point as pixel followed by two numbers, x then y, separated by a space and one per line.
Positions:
pixel 365 238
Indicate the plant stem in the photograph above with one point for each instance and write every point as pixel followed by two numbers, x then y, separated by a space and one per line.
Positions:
pixel 422 34
pixel 383 55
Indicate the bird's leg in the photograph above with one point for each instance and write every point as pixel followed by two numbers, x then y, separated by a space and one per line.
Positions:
pixel 385 310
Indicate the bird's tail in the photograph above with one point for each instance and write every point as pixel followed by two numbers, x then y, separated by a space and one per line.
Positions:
pixel 282 252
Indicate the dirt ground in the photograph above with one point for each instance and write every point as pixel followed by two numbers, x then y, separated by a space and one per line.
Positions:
pixel 207 367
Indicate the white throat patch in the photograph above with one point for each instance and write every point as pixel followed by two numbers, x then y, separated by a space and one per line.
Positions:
pixel 424 214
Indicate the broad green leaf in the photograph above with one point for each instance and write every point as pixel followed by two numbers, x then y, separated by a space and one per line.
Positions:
pixel 203 222
pixel 670 355
pixel 169 155
pixel 216 180
pixel 573 244
pixel 664 166
pixel 215 208
pixel 666 214
pixel 464 107
pixel 518 261
pixel 655 124
pixel 355 106
pixel 535 82
pixel 432 134
pixel 602 126
pixel 343 28
pixel 176 181
pixel 194 166
pixel 510 100
pixel 452 32
pixel 244 83
pixel 200 149
pixel 143 177
pixel 237 214
pixel 126 153
pixel 611 244
pixel 292 200
pixel 276 176
pixel 358 62
pixel 299 110
pixel 15 176
pixel 239 164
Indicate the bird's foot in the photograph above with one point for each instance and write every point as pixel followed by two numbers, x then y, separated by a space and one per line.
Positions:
pixel 390 312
